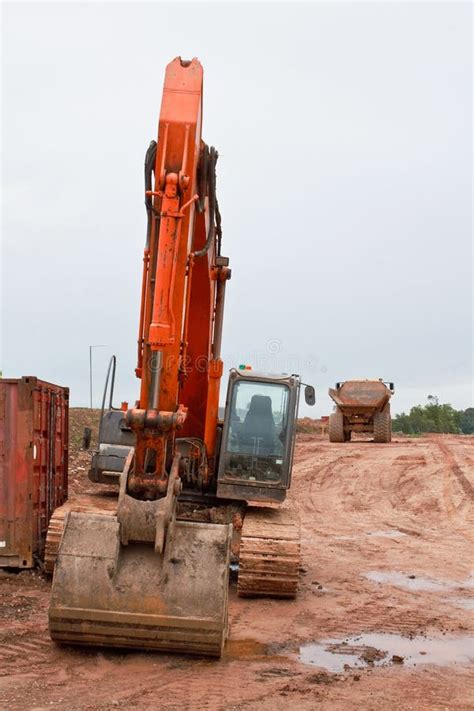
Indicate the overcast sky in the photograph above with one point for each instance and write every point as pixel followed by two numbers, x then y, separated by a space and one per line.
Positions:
pixel 345 185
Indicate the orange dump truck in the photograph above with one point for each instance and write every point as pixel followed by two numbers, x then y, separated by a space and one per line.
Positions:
pixel 361 406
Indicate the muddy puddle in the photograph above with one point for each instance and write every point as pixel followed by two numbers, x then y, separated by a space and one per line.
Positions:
pixel 380 649
pixel 417 582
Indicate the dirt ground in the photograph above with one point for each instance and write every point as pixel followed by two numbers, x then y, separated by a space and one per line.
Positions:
pixel 383 620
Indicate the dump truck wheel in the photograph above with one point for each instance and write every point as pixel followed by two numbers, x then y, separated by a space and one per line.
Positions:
pixel 383 425
pixel 336 427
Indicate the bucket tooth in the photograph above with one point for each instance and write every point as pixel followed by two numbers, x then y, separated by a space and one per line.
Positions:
pixel 113 595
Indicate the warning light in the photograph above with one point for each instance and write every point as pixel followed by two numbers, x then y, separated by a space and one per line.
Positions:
pixel 245 367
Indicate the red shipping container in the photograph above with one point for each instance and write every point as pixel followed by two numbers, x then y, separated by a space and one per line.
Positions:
pixel 34 418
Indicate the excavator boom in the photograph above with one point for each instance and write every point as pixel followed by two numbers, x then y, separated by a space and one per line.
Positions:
pixel 183 288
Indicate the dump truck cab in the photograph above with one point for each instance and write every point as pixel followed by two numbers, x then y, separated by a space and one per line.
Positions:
pixel 258 435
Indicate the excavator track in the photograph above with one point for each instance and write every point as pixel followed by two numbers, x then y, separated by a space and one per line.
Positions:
pixel 94 504
pixel 270 554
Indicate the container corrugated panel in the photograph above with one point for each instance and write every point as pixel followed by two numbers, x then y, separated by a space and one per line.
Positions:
pixel 34 418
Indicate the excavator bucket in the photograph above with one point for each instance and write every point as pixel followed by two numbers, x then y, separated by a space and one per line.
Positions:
pixel 113 595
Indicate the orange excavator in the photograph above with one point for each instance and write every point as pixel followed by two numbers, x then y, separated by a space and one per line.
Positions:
pixel 150 569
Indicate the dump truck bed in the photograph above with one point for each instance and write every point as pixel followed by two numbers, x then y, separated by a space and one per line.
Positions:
pixel 361 395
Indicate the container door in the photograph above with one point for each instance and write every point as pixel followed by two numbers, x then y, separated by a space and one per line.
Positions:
pixel 15 482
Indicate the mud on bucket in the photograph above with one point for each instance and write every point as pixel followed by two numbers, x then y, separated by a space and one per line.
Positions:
pixel 113 595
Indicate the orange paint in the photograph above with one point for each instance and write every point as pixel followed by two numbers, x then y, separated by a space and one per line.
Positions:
pixel 178 298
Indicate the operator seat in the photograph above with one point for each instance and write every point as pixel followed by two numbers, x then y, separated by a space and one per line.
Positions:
pixel 258 428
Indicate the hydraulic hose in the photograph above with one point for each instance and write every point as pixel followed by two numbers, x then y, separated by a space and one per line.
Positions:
pixel 150 158
pixel 208 187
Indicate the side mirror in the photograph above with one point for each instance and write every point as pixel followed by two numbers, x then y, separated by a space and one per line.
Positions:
pixel 309 395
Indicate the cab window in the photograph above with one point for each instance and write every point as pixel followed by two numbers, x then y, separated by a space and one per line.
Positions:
pixel 258 428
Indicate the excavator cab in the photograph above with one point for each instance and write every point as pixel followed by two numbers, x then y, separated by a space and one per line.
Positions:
pixel 258 435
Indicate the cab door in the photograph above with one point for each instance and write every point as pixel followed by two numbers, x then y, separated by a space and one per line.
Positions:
pixel 258 437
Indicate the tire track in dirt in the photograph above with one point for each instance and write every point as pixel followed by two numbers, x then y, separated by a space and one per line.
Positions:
pixel 349 483
pixel 20 653
pixel 326 472
pixel 464 482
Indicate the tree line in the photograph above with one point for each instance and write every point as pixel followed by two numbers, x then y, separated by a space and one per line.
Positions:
pixel 435 417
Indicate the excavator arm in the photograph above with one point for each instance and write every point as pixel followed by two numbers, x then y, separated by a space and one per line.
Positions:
pixel 142 578
pixel 183 289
